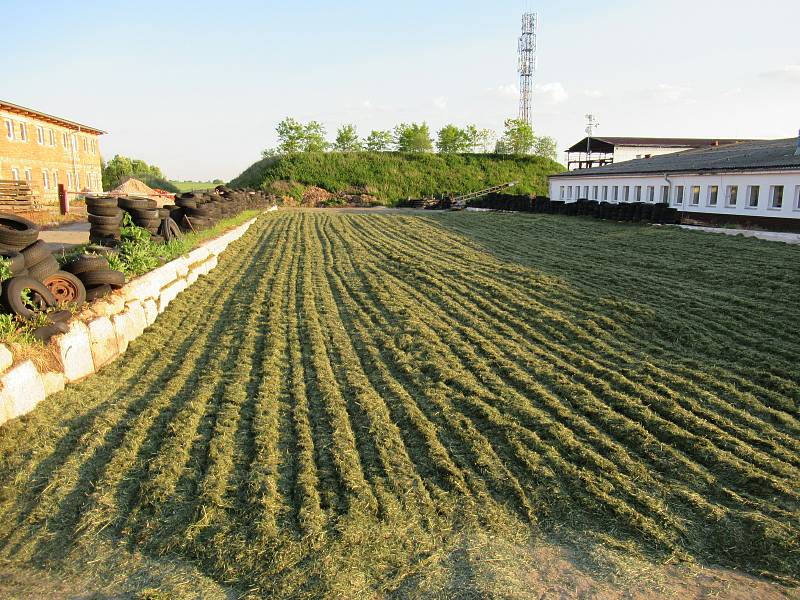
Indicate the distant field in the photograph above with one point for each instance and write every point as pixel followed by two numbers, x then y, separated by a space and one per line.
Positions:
pixel 428 406
pixel 191 186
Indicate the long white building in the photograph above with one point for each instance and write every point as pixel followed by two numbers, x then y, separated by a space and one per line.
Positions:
pixel 747 182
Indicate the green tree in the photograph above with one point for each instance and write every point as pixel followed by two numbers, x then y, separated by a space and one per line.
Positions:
pixel 480 140
pixel 314 137
pixel 546 147
pixel 218 182
pixel 120 168
pixel 347 139
pixel 290 136
pixel 379 141
pixel 414 137
pixel 453 140
pixel 518 137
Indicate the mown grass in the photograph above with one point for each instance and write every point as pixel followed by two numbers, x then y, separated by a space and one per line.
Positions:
pixel 192 186
pixel 370 405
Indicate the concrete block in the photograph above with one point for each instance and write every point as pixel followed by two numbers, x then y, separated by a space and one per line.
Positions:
pixel 6 358
pixel 150 311
pixel 53 382
pixel 117 301
pixel 140 288
pixel 138 319
pixel 103 340
pixel 198 255
pixel 192 277
pixel 21 389
pixel 106 308
pixel 75 352
pixel 171 292
pixel 181 267
pixel 121 323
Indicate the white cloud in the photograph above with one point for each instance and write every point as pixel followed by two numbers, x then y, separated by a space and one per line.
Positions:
pixel 553 93
pixel 670 94
pixel 440 102
pixel 509 90
pixel 367 104
pixel 593 93
pixel 787 73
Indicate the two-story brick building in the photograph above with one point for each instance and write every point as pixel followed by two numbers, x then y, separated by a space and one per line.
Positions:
pixel 45 151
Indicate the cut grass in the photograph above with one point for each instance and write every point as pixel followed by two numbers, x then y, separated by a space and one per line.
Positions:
pixel 367 405
pixel 193 186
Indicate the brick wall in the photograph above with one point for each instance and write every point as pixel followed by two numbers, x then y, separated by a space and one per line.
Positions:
pixel 55 154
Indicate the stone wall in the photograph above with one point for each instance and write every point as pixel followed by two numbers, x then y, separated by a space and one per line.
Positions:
pixel 103 330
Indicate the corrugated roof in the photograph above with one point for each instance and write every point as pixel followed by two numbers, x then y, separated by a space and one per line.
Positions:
pixel 653 142
pixel 10 106
pixel 743 156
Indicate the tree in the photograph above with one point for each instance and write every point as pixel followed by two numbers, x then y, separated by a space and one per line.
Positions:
pixel 480 140
pixel 414 137
pixel 546 146
pixel 378 141
pixel 347 139
pixel 290 136
pixel 452 140
pixel 218 182
pixel 518 137
pixel 314 138
pixel 120 168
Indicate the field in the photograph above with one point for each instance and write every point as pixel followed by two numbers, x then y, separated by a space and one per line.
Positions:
pixel 191 186
pixel 404 405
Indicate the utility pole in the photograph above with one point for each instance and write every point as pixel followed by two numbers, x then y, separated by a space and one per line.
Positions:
pixel 527 65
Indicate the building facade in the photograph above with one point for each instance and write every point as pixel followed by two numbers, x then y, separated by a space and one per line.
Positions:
pixel 750 182
pixel 46 151
pixel 600 151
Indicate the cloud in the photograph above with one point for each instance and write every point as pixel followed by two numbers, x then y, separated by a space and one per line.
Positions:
pixel 509 90
pixel 367 104
pixel 552 93
pixel 668 93
pixel 593 93
pixel 440 102
pixel 787 74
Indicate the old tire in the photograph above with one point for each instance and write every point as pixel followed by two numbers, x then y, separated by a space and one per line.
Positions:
pixel 134 203
pixel 92 279
pixel 98 292
pixel 16 261
pixel 106 221
pixel 44 269
pixel 105 211
pixel 66 288
pixel 12 296
pixel 86 263
pixel 60 316
pixel 17 233
pixel 35 253
pixel 45 333
pixel 102 202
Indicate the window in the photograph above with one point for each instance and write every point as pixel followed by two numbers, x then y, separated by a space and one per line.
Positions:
pixel 93 146
pixel 40 135
pixel 10 129
pixel 77 180
pixel 15 174
pixel 776 196
pixel 69 180
pixel 797 197
pixel 713 194
pixel 45 180
pixel 51 137
pixel 74 142
pixel 665 194
pixel 85 145
pixel 616 193
pixel 731 195
pixel 753 193
pixel 64 139
pixel 561 192
pixel 638 195
pixel 594 193
pixel 626 193
pixel 695 195
pixel 679 195
pixel 23 132
pixel 605 193
pixel 28 175
pixel 569 191
pixel 55 179
pixel 651 193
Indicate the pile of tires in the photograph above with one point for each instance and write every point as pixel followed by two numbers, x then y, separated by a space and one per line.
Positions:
pixel 105 219
pixel 95 275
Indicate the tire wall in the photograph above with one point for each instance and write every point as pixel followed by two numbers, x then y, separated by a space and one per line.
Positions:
pixel 103 330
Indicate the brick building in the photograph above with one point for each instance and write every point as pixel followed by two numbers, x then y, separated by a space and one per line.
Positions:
pixel 45 151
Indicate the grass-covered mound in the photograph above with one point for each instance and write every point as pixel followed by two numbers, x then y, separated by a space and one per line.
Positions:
pixel 391 176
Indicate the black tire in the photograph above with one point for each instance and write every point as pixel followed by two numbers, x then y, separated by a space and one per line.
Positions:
pixel 134 203
pixel 86 263
pixel 186 202
pixel 102 250
pixel 98 292
pixel 35 253
pixel 16 261
pixel 198 212
pixel 157 239
pixel 105 211
pixel 101 202
pixel 12 295
pixel 147 223
pixel 17 233
pixel 163 213
pixel 104 233
pixel 104 239
pixel 143 213
pixel 66 288
pixel 169 230
pixel 60 316
pixel 93 279
pixel 107 221
pixel 44 334
pixel 44 269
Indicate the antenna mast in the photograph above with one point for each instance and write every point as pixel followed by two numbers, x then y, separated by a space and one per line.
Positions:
pixel 527 65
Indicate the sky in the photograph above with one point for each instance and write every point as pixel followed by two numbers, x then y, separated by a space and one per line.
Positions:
pixel 197 88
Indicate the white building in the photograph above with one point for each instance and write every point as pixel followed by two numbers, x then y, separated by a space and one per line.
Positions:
pixel 599 151
pixel 755 183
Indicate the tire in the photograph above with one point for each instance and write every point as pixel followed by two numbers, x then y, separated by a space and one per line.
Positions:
pixel 163 213
pixel 108 221
pixel 35 253
pixel 92 279
pixel 12 295
pixel 17 233
pixel 186 202
pixel 147 223
pixel 104 239
pixel 102 250
pixel 45 333
pixel 60 316
pixel 101 202
pixel 104 211
pixel 171 229
pixel 66 288
pixel 98 292
pixel 157 239
pixel 16 261
pixel 86 263
pixel 198 212
pixel 134 203
pixel 44 269
pixel 138 213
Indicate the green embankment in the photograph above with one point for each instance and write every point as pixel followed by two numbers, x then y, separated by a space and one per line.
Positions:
pixel 391 176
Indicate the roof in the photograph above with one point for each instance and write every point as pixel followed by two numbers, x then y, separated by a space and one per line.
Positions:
pixel 744 156
pixel 16 108
pixel 607 144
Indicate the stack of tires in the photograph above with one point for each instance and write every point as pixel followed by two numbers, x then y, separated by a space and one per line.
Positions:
pixel 105 218
pixel 143 211
pixel 196 210
pixel 95 275
pixel 16 234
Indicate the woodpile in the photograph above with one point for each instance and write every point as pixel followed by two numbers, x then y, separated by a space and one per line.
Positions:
pixel 15 195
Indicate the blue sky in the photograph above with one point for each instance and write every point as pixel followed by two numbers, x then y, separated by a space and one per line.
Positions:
pixel 198 87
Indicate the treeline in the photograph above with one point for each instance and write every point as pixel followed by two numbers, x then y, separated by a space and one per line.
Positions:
pixel 120 168
pixel 517 139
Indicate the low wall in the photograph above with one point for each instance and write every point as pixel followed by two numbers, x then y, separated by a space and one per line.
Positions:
pixel 103 330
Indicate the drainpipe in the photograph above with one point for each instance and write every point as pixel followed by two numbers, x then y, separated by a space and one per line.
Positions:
pixel 797 150
pixel 669 183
